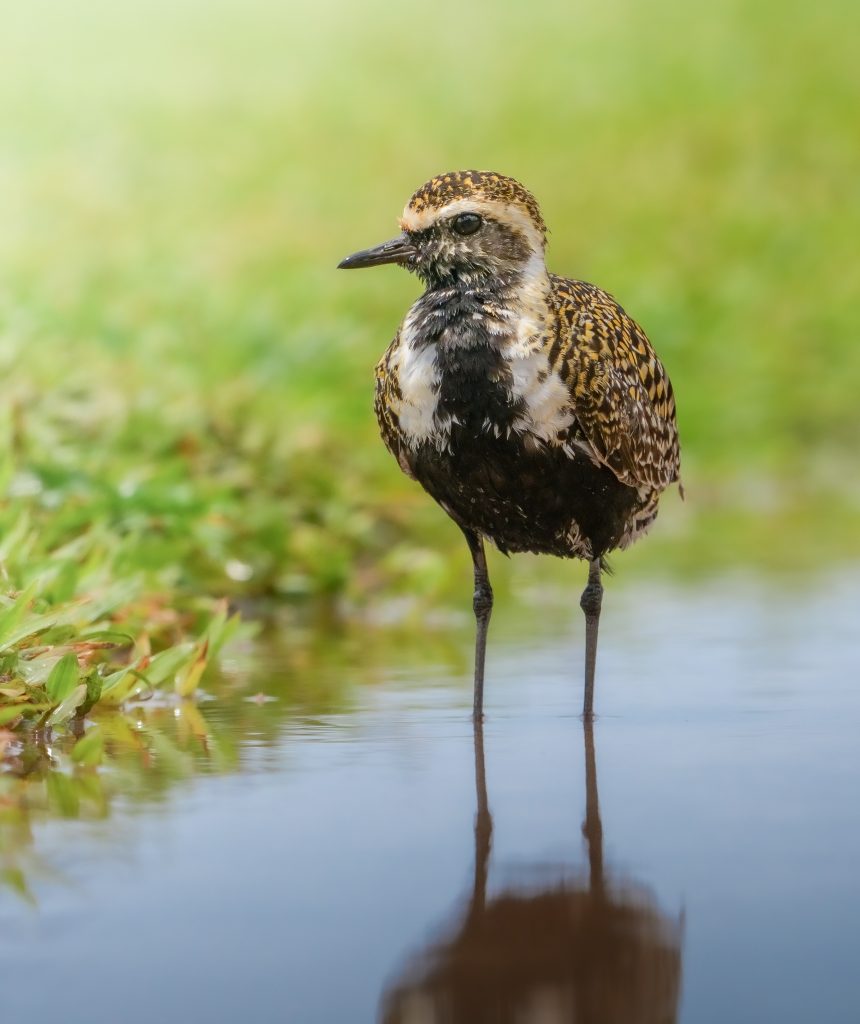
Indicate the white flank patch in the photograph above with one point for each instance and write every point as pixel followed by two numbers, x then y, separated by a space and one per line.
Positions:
pixel 418 376
pixel 547 401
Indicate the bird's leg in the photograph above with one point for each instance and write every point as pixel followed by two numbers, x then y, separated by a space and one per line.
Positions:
pixel 590 603
pixel 482 602
pixel 483 825
pixel 592 829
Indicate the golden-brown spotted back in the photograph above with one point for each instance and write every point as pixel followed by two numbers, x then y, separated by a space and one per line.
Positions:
pixel 622 396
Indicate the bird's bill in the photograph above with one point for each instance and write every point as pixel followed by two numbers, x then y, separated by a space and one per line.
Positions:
pixel 396 250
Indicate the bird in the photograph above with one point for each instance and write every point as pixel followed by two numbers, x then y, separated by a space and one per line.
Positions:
pixel 531 407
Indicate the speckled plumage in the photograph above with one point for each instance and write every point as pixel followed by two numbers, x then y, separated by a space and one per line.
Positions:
pixel 614 421
pixel 530 406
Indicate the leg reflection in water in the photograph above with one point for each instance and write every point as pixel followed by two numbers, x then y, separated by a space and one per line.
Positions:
pixel 592 950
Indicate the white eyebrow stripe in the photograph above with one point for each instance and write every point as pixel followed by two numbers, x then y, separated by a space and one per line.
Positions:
pixel 506 213
pixel 420 220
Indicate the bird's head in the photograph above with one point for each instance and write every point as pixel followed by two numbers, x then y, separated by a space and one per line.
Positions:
pixel 462 226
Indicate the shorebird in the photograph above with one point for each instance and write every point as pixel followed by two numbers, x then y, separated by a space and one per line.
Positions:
pixel 531 407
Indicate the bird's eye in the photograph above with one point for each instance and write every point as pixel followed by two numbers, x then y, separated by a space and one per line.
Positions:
pixel 466 223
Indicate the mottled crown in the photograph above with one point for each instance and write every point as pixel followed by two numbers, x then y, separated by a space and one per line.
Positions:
pixel 480 186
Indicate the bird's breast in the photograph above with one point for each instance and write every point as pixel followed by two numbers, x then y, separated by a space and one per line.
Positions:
pixel 449 396
pixel 459 378
pixel 447 371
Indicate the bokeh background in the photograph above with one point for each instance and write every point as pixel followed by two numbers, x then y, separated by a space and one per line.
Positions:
pixel 187 380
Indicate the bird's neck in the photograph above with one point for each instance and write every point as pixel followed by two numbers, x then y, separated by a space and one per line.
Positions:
pixel 469 360
pixel 473 311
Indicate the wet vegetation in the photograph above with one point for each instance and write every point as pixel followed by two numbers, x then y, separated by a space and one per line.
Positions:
pixel 145 737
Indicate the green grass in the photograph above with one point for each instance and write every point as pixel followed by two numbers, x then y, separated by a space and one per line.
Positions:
pixel 186 408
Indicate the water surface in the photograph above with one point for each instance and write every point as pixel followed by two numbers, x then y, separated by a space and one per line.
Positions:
pixel 351 851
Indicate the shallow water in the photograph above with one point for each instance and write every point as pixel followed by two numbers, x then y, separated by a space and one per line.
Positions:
pixel 363 856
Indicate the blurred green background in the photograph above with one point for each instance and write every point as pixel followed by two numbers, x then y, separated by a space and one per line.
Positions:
pixel 188 381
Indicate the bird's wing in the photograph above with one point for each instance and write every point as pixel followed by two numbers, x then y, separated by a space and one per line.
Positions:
pixel 622 396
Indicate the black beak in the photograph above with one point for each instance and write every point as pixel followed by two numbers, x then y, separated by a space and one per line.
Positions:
pixel 398 250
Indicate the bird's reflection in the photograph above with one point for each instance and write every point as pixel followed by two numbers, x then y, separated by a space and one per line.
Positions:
pixel 592 950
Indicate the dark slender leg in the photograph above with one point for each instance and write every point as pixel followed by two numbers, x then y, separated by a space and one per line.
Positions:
pixel 483 825
pixel 592 829
pixel 482 602
pixel 590 603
